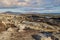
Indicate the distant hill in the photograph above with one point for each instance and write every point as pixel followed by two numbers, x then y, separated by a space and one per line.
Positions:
pixel 10 12
pixel 41 13
pixel 17 13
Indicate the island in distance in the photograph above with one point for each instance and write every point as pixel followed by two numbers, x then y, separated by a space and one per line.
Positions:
pixel 29 26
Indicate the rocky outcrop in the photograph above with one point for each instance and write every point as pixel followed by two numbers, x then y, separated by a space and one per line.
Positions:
pixel 17 27
pixel 20 23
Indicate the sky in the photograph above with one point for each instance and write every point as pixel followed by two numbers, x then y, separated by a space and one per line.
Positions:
pixel 41 6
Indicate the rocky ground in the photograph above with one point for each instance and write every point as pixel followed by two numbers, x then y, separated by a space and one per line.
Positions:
pixel 31 27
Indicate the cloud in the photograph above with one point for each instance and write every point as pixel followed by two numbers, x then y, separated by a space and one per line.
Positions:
pixel 30 3
pixel 8 3
pixel 33 5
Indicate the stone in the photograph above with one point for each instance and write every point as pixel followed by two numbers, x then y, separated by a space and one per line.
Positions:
pixel 12 29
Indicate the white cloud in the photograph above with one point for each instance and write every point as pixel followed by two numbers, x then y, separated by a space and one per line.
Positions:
pixel 12 3
pixel 31 3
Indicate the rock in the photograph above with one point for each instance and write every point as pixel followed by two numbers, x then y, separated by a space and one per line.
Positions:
pixel 2 27
pixel 12 29
pixel 5 35
pixel 21 27
pixel 46 38
pixel 21 30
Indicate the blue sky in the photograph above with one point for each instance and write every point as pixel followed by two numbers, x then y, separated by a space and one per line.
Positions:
pixel 41 6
